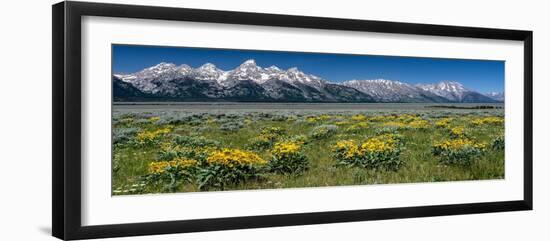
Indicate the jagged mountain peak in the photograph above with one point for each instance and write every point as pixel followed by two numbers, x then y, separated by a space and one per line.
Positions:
pixel 273 68
pixel 388 90
pixel 451 84
pixel 379 81
pixel 249 62
pixel 455 92
pixel 208 67
pixel 294 70
pixel 163 65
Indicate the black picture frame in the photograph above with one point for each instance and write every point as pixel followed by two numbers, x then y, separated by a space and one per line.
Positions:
pixel 66 127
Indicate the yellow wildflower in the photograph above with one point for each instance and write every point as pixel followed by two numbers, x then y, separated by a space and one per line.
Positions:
pixel 161 166
pixel 147 136
pixel 488 120
pixel 234 157
pixel 378 144
pixel 443 123
pixel 286 147
pixel 419 124
pixel 457 131
pixel 348 147
pixel 359 118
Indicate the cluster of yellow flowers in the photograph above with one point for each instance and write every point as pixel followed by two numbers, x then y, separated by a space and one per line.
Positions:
pixel 148 136
pixel 159 167
pixel 407 118
pixel 488 120
pixel 286 148
pixel 443 123
pixel 379 144
pixel 358 118
pixel 154 119
pixel 348 147
pixel 357 127
pixel 380 118
pixel 457 131
pixel 313 119
pixel 264 138
pixel 361 125
pixel 382 143
pixel 457 144
pixel 342 123
pixel 419 124
pixel 268 134
pixel 234 157
pixel 272 130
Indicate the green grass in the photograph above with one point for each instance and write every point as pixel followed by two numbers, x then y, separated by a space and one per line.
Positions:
pixel 130 162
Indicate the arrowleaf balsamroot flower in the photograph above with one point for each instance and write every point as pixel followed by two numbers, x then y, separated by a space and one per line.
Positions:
pixel 234 157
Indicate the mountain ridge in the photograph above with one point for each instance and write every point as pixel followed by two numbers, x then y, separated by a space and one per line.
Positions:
pixel 249 82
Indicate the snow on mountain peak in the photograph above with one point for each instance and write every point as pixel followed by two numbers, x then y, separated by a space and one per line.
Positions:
pixel 451 90
pixel 248 70
pixel 184 69
pixel 249 62
pixel 162 65
pixel 273 68
pixel 385 90
pixel 294 70
pixel 208 67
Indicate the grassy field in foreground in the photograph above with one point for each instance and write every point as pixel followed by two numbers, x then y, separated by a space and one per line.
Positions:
pixel 160 152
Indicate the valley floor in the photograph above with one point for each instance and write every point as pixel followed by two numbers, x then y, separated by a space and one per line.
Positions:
pixel 159 148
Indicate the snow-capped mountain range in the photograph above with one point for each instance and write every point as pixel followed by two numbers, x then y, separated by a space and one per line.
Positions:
pixel 250 82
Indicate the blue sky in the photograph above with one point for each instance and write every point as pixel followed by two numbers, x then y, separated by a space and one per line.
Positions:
pixel 480 75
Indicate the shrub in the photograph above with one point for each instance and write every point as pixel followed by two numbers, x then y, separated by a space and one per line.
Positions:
pixel 386 130
pixel 323 131
pixel 231 126
pixel 172 173
pixel 457 151
pixel 288 158
pixel 199 153
pixel 498 143
pixel 123 134
pixel 195 141
pixel 357 127
pixel 277 131
pixel 265 140
pixel 379 152
pixel 301 139
pixel 261 142
pixel 229 166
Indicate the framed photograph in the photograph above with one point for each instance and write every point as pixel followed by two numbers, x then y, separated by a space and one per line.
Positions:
pixel 171 120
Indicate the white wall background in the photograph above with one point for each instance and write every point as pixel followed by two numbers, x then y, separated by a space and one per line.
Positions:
pixel 25 120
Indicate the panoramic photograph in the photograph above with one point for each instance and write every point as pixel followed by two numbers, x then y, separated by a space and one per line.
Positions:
pixel 187 119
